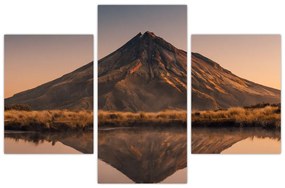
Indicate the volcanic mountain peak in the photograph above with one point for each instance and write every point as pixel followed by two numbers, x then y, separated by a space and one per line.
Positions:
pixel 145 51
pixel 138 38
pixel 149 34
pixel 142 42
pixel 150 38
pixel 142 70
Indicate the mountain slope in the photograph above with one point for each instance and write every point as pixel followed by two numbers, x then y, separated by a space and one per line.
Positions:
pixel 71 91
pixel 145 74
pixel 214 87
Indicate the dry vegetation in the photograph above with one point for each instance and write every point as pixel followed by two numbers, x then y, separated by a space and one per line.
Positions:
pixel 48 120
pixel 268 116
pixel 129 119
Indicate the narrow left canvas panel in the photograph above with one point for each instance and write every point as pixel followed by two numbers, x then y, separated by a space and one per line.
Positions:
pixel 48 94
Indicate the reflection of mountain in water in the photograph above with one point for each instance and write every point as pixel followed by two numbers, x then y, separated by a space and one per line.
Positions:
pixel 82 142
pixel 144 155
pixel 216 140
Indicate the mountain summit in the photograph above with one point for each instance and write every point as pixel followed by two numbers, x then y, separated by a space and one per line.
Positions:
pixel 214 87
pixel 145 74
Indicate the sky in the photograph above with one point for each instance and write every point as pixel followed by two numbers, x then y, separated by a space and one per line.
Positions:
pixel 254 57
pixel 32 60
pixel 117 24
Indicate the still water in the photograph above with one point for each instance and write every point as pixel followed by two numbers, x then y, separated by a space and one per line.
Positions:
pixel 142 155
pixel 235 141
pixel 48 143
pixel 255 145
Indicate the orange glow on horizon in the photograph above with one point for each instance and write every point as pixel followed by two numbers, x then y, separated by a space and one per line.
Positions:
pixel 32 60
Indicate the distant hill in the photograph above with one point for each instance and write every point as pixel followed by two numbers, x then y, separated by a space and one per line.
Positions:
pixel 214 87
pixel 71 91
pixel 145 74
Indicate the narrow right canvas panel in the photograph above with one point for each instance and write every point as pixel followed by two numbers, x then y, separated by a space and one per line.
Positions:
pixel 236 94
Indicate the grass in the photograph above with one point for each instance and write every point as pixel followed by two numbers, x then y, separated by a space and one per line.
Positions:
pixel 131 119
pixel 268 116
pixel 48 120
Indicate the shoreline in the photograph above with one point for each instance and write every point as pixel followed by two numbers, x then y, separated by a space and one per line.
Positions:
pixel 41 128
pixel 48 120
pixel 268 117
pixel 169 118
pixel 137 124
pixel 234 124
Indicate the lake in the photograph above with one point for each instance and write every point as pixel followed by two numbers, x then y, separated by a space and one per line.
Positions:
pixel 142 155
pixel 48 143
pixel 253 140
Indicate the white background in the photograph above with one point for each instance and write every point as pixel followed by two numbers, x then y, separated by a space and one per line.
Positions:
pixel 80 17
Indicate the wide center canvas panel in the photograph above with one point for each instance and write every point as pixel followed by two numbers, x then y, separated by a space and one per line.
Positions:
pixel 142 94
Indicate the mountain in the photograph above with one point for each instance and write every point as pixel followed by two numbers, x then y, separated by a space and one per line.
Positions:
pixel 71 91
pixel 145 74
pixel 214 87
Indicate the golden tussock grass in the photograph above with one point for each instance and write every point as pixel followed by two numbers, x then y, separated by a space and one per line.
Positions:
pixel 267 116
pixel 48 119
pixel 135 118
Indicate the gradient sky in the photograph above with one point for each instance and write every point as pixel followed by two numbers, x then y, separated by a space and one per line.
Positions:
pixel 254 57
pixel 117 24
pixel 31 60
